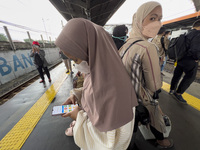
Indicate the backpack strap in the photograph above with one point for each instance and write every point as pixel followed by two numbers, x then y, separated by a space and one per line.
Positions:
pixel 129 47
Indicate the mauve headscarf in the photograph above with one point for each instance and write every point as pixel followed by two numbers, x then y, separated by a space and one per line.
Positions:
pixel 138 18
pixel 109 105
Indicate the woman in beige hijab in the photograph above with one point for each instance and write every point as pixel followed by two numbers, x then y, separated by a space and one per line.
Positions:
pixel 106 119
pixel 142 63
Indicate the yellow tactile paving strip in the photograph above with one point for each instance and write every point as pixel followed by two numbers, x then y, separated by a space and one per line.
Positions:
pixel 191 100
pixel 16 137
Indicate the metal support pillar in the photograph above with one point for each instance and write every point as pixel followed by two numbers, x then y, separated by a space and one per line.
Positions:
pixel 9 38
pixel 42 41
pixel 29 36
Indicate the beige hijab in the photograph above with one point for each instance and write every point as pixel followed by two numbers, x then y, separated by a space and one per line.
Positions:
pixel 138 18
pixel 109 95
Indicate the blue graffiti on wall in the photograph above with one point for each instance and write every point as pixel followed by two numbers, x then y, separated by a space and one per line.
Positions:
pixel 6 69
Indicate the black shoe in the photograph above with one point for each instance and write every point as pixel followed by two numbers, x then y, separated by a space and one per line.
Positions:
pixel 171 92
pixel 180 98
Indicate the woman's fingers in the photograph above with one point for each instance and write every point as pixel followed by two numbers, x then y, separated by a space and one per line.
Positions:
pixel 70 100
pixel 73 114
pixel 67 115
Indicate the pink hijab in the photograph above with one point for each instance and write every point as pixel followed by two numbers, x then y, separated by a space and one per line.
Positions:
pixel 108 95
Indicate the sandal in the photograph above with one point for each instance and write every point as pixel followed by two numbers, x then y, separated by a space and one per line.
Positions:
pixel 165 147
pixel 72 124
pixel 69 131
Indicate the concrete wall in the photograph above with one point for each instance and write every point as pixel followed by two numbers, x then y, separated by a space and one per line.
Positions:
pixel 16 63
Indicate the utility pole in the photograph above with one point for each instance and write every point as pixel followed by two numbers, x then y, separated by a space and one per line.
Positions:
pixel 45 28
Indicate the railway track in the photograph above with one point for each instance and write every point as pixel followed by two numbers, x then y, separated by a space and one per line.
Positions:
pixel 11 93
pixel 8 95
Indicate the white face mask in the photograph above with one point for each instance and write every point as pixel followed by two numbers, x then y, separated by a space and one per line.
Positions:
pixel 83 67
pixel 151 30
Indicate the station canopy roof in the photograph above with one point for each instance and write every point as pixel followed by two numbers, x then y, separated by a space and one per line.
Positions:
pixel 98 11
pixel 182 22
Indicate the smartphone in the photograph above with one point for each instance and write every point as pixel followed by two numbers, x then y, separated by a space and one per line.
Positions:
pixel 59 110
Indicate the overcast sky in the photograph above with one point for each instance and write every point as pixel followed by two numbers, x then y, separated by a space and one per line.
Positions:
pixel 38 14
pixel 171 9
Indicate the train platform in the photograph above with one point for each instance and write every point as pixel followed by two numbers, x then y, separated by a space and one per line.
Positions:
pixel 26 122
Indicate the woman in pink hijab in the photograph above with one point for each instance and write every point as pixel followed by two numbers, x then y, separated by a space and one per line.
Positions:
pixel 106 119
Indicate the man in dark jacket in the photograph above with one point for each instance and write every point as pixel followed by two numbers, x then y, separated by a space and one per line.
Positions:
pixel 188 64
pixel 40 61
pixel 120 35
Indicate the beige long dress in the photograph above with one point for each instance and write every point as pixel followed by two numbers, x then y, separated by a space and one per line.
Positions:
pixel 87 137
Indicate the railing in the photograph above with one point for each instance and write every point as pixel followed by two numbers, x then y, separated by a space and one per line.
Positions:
pixel 13 33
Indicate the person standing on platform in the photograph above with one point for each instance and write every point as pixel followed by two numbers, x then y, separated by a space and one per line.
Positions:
pixel 161 50
pixel 67 62
pixel 106 119
pixel 165 43
pixel 120 35
pixel 40 61
pixel 188 64
pixel 142 64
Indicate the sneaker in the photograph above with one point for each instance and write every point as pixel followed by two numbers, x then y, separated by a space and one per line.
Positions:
pixel 42 81
pixel 67 71
pixel 171 92
pixel 49 79
pixel 180 98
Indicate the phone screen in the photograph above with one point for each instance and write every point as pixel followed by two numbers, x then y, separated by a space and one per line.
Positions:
pixel 58 110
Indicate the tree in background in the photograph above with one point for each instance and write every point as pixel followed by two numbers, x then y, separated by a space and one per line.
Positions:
pixel 39 41
pixel 27 40
pixel 3 37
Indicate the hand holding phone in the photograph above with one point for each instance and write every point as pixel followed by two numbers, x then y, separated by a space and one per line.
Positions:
pixel 71 100
pixel 59 110
pixel 73 114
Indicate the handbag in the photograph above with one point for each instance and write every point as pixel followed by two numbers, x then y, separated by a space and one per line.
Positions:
pixel 147 134
pixel 143 114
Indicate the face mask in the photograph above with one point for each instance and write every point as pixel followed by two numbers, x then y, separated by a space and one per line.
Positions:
pixel 151 30
pixel 123 38
pixel 83 67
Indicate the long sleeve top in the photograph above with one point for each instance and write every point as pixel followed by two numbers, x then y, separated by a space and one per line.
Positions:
pixel 142 64
pixel 41 55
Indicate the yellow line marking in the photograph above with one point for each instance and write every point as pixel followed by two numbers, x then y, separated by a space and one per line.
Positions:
pixel 191 100
pixel 16 137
